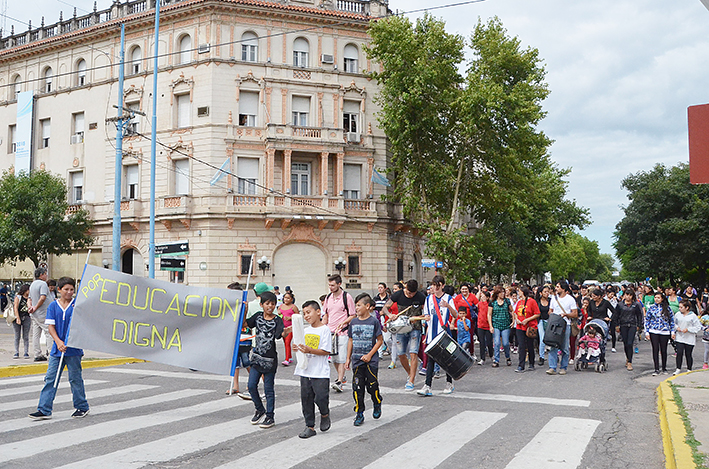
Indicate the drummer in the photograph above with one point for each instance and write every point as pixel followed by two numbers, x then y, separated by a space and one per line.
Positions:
pixel 438 311
pixel 409 302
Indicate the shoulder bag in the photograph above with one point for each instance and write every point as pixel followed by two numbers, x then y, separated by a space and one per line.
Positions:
pixel 532 331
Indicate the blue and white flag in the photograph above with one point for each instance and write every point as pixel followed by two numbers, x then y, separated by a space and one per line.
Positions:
pixel 220 172
pixel 379 178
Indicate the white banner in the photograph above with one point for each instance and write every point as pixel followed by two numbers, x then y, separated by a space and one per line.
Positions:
pixel 23 132
pixel 190 327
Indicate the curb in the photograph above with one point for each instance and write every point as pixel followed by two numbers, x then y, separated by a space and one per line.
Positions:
pixel 24 370
pixel 678 454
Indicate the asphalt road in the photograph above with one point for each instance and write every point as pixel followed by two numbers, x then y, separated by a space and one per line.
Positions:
pixel 150 414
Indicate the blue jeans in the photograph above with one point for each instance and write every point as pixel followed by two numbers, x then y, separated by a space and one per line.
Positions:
pixel 268 380
pixel 496 335
pixel 542 327
pixel 554 352
pixel 73 366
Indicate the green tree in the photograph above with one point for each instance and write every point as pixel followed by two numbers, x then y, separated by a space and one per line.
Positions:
pixel 34 221
pixel 469 145
pixel 578 258
pixel 663 231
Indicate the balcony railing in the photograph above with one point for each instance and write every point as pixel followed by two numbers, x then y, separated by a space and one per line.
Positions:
pixel 325 134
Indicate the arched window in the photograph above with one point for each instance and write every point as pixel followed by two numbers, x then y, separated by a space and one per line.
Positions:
pixel 301 50
pixel 186 49
pixel 249 47
pixel 48 80
pixel 81 72
pixel 351 58
pixel 136 57
pixel 17 85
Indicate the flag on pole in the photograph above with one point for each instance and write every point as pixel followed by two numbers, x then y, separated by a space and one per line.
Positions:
pixel 379 178
pixel 220 172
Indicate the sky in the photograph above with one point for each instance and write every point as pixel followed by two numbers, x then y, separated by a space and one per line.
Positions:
pixel 621 73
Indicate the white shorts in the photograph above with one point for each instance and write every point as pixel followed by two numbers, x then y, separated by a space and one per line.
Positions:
pixel 341 356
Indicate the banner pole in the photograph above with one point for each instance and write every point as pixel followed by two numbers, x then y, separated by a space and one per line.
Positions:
pixel 242 313
pixel 61 358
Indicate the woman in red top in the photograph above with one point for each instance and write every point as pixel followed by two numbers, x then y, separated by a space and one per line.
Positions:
pixel 484 329
pixel 526 314
pixel 287 310
pixel 466 301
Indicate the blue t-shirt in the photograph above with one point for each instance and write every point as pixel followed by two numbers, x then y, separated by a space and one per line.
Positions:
pixel 463 335
pixel 60 319
pixel 364 333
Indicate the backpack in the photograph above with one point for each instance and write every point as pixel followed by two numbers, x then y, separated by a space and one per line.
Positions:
pixel 555 332
pixel 344 301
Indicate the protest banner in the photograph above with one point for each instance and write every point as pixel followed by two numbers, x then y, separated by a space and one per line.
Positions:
pixel 180 325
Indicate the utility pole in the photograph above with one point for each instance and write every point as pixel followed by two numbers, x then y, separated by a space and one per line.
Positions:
pixel 116 249
pixel 153 137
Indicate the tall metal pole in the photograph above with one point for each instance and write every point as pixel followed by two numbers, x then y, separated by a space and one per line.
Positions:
pixel 116 249
pixel 153 137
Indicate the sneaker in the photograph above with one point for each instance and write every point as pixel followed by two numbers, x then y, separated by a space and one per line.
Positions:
pixel 392 365
pixel 337 386
pixel 16 356
pixel 562 372
pixel 325 423
pixel 359 419
pixel 656 372
pixel 425 391
pixel 550 371
pixel 40 358
pixel 636 350
pixel 449 388
pixel 377 411
pixel 258 415
pixel 40 416
pixel 677 371
pixel 541 362
pixel 509 362
pixel 409 386
pixel 495 365
pixel 422 371
pixel 665 372
pixel 268 422
pixel 571 361
pixel 27 355
pixel 286 363
pixel 531 368
pixel 244 395
pixel 79 414
pixel 481 362
pixel 629 367
pixel 519 370
pixel 613 350
pixel 437 374
pixel 307 433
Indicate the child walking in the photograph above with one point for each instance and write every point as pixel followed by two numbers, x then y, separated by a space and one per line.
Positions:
pixel 264 358
pixel 287 310
pixel 315 378
pixel 58 319
pixel 685 335
pixel 365 338
pixel 463 329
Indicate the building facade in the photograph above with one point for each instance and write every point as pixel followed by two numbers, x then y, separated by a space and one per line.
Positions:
pixel 275 93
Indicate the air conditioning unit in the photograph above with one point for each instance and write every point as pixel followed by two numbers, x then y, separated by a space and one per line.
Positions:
pixel 203 111
pixel 353 137
pixel 327 59
pixel 77 138
pixel 203 48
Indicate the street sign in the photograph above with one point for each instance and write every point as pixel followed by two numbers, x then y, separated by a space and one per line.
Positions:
pixel 175 264
pixel 439 265
pixel 177 248
pixel 430 263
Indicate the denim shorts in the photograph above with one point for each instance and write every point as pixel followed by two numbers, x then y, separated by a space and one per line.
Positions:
pixel 409 342
pixel 242 358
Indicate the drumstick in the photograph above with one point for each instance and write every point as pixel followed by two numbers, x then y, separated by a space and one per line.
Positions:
pixel 405 310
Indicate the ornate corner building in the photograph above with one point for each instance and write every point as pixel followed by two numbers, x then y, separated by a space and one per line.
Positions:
pixel 276 93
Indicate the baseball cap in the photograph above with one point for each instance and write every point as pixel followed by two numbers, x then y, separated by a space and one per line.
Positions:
pixel 262 287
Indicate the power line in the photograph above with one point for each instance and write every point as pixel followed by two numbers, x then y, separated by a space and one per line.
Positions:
pixel 295 31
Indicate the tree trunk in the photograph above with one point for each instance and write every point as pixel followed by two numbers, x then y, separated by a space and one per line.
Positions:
pixel 454 210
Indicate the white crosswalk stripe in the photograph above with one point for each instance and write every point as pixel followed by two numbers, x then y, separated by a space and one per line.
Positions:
pixel 545 450
pixel 35 388
pixel 185 443
pixel 22 380
pixel 24 422
pixel 60 399
pixel 292 452
pixel 33 446
pixel 443 441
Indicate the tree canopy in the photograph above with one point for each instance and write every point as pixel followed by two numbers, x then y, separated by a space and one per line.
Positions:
pixel 34 221
pixel 663 231
pixel 466 145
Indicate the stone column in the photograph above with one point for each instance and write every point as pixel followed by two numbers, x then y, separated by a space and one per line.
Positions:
pixel 340 186
pixel 324 169
pixel 286 171
pixel 270 167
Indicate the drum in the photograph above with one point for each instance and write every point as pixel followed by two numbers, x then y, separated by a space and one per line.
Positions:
pixel 400 325
pixel 449 355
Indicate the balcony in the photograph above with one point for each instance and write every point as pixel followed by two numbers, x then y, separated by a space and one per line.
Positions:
pixel 314 205
pixel 312 134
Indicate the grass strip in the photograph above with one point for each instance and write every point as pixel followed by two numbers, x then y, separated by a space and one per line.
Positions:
pixel 698 457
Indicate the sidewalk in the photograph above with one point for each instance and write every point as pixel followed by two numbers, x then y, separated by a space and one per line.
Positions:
pixel 20 367
pixel 692 408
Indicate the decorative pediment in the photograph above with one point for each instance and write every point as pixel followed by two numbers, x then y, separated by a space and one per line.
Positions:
pixel 133 93
pixel 182 84
pixel 131 153
pixel 249 78
pixel 302 232
pixel 180 150
pixel 353 89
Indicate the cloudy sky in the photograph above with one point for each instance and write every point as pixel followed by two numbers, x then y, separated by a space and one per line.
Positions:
pixel 621 74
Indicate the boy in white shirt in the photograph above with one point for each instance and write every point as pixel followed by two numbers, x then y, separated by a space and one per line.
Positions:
pixel 315 378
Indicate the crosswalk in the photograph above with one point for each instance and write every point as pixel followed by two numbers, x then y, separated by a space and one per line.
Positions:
pixel 140 425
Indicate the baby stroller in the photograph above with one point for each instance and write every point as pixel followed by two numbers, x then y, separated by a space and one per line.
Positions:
pixel 582 360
